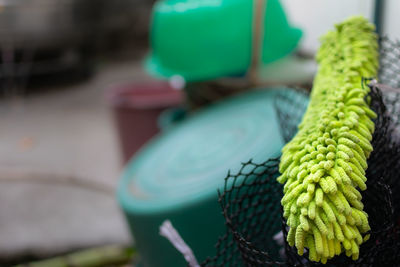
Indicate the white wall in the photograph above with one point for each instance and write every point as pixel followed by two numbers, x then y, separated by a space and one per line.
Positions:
pixel 316 17
pixel 391 21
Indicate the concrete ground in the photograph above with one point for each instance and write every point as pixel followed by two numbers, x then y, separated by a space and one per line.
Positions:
pixel 59 164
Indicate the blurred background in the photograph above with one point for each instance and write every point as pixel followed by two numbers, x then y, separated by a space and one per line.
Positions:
pixel 83 85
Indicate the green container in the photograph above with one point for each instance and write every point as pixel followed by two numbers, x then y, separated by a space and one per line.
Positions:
pixel 176 176
pixel 207 39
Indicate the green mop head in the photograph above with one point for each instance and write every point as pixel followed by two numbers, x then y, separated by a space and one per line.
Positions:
pixel 323 166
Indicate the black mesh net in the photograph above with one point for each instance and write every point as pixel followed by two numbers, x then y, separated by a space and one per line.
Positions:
pixel 290 106
pixel 256 231
pixel 389 71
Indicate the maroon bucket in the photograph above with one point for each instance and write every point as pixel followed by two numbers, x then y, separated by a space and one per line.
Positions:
pixel 137 107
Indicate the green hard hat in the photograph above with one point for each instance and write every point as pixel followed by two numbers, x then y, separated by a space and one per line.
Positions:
pixel 176 176
pixel 207 39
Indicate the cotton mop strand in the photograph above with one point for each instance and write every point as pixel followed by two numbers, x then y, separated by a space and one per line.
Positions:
pixel 323 166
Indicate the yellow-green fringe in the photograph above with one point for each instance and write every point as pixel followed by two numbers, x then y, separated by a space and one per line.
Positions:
pixel 325 163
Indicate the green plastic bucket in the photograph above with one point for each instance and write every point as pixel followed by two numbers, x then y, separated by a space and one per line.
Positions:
pixel 206 39
pixel 176 176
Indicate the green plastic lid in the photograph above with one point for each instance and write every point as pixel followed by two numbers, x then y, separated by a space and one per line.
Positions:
pixel 207 39
pixel 176 175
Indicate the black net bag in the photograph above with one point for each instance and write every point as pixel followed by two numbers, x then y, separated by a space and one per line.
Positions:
pixel 389 72
pixel 256 231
